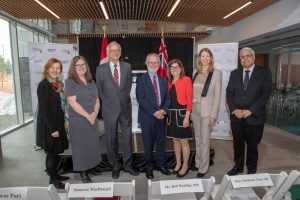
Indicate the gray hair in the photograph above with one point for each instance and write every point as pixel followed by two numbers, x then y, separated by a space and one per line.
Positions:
pixel 111 43
pixel 248 49
pixel 152 54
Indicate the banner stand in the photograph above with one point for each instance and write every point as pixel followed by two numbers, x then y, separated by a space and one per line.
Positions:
pixel 226 58
pixel 38 54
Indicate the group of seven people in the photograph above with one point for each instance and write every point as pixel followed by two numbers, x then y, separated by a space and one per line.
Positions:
pixel 163 105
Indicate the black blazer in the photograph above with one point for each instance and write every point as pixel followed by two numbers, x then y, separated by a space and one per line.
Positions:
pixel 254 98
pixel 50 118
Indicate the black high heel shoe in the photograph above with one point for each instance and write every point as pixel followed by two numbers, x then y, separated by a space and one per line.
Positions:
pixel 183 175
pixel 176 171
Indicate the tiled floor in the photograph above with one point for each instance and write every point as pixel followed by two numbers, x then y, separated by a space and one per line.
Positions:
pixel 21 165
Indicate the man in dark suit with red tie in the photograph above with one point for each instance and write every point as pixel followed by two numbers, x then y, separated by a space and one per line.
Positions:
pixel 247 93
pixel 152 96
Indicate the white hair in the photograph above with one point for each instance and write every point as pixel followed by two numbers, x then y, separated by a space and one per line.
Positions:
pixel 152 54
pixel 111 43
pixel 248 49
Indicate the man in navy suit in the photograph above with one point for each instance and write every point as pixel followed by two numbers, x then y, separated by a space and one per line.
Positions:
pixel 152 96
pixel 113 81
pixel 247 93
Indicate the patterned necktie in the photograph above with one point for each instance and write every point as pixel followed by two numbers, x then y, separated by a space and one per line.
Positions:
pixel 155 90
pixel 116 75
pixel 246 79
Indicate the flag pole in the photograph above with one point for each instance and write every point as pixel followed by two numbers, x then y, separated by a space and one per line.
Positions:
pixel 103 55
pixel 163 56
pixel 104 29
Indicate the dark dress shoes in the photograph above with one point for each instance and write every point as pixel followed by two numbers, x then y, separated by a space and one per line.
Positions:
pixel 200 175
pixel 194 168
pixel 85 177
pixel 57 184
pixel 115 174
pixel 94 172
pixel 149 174
pixel 98 168
pixel 234 171
pixel 182 175
pixel 62 178
pixel 165 171
pixel 132 171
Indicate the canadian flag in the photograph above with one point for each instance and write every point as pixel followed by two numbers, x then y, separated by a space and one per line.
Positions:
pixel 103 55
pixel 163 56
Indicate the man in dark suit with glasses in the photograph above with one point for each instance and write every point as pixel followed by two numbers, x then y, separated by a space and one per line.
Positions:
pixel 247 93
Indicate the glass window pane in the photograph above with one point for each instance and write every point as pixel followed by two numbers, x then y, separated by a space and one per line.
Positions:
pixel 8 115
pixel 41 38
pixel 35 37
pixel 25 36
pixel 283 109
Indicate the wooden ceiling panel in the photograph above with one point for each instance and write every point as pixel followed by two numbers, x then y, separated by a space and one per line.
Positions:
pixel 202 12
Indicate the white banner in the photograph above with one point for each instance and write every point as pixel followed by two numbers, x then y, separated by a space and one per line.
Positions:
pixel 39 53
pixel 226 58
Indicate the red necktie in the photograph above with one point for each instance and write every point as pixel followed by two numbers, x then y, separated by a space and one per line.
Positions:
pixel 116 75
pixel 156 90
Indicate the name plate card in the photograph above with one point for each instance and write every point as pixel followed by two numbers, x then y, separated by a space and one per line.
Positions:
pixel 181 186
pixel 251 180
pixel 91 190
pixel 14 193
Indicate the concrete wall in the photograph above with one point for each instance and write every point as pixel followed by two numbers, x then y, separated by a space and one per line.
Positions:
pixel 279 15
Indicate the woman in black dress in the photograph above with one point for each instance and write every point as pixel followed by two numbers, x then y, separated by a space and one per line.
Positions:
pixel 52 118
pixel 180 91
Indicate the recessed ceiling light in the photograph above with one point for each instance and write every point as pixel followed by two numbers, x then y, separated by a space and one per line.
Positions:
pixel 240 8
pixel 103 10
pixel 173 8
pixel 46 8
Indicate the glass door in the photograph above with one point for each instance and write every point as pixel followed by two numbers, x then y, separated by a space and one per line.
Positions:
pixel 284 104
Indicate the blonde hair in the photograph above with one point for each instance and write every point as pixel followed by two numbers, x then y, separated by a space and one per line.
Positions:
pixel 211 64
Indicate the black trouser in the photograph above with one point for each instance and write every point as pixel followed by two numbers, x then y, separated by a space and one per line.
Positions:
pixel 51 163
pixel 251 135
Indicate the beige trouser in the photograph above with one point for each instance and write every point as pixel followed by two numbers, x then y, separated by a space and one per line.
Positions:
pixel 202 137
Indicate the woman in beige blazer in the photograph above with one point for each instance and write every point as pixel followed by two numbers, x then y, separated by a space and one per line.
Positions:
pixel 207 84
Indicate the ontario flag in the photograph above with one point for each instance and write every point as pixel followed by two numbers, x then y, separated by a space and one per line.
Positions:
pixel 103 55
pixel 163 56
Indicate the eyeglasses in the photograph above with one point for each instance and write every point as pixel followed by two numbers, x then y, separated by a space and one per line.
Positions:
pixel 153 63
pixel 114 50
pixel 245 57
pixel 80 66
pixel 175 67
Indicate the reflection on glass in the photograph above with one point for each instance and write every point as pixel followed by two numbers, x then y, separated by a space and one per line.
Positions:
pixel 8 115
pixel 284 104
pixel 25 36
